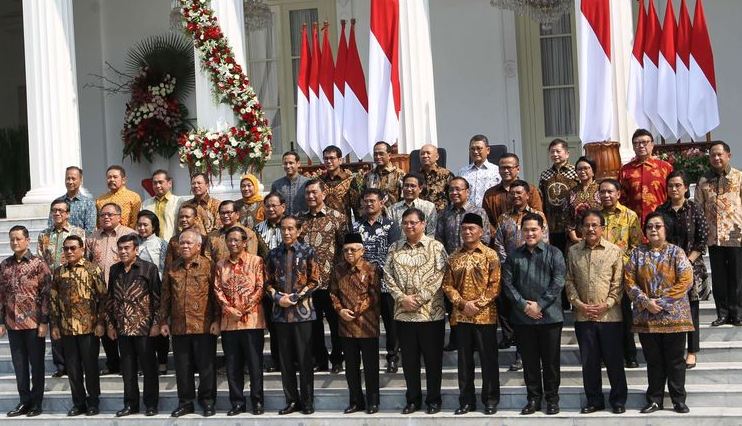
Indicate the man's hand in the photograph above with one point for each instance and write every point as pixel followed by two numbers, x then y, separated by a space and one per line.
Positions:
pixel 409 303
pixel 653 307
pixel 214 329
pixel 154 331
pixel 2 330
pixel 533 310
pixel 600 309
pixel 470 308
pixel 42 329
pixel 165 330
pixel 99 330
pixel 55 333
pixel 285 300
pixel 583 309
pixel 111 333
pixel 347 315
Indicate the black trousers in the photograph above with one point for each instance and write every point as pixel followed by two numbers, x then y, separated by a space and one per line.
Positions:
pixel 602 341
pixel 268 310
pixel 665 363
pixel 162 347
pixel 694 337
pixel 244 347
pixel 27 348
pixel 726 280
pixel 390 327
pixel 58 355
pixel 324 309
pixel 139 350
pixel 111 348
pixel 452 335
pixel 422 339
pixel 195 352
pixel 482 338
pixel 355 350
pixel 539 349
pixel 629 344
pixel 294 348
pixel 559 240
pixel 81 355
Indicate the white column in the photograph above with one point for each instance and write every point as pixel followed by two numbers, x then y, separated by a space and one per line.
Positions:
pixel 417 118
pixel 622 33
pixel 51 87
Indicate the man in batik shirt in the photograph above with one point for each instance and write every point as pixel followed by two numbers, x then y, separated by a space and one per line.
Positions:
pixel 207 207
pixel 496 200
pixel 385 175
pixel 447 229
pixel 83 212
pixel 554 184
pixel 342 187
pixel 412 186
pixel 128 200
pixel 436 177
pixel 216 244
pixel 187 219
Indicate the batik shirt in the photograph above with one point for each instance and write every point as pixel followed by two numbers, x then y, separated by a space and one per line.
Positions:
pixel 133 304
pixel 623 229
pixel 77 298
pixel 269 237
pixel 644 185
pixel 448 228
pixel 580 200
pixel 509 236
pixel 474 276
pixel 437 179
pixel 50 242
pixel 480 178
pixel 102 248
pixel 250 214
pixel 431 215
pixel 719 194
pixel 293 192
pixel 554 186
pixel 343 192
pixel 128 200
pixel 356 288
pixel 207 212
pixel 594 275
pixel 496 201
pixel 188 301
pixel 292 272
pixel 389 180
pixel 83 213
pixel 215 247
pixel 24 292
pixel 238 287
pixel 325 232
pixel 377 238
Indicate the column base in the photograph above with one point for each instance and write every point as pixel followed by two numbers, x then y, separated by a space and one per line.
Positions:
pixel 45 194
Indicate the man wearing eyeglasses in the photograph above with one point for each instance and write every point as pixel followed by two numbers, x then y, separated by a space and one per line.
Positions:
pixel 342 187
pixel 216 244
pixel 385 176
pixel 481 174
pixel 412 186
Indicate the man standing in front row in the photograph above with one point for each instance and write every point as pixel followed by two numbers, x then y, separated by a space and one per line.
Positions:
pixel 471 283
pixel 533 278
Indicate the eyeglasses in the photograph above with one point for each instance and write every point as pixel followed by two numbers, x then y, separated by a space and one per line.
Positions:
pixel 108 214
pixel 643 142
pixel 456 189
pixel 272 206
pixel 508 168
pixel 330 158
pixel 477 148
pixel 226 213
pixel 583 169
pixel 410 222
pixel 658 226
pixel 69 248
pixel 59 210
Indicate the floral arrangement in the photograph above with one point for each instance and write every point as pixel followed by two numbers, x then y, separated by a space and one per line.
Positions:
pixel 245 147
pixel 694 161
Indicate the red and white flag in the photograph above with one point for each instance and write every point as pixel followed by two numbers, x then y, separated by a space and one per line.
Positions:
pixel 667 102
pixel 383 72
pixel 314 90
pixel 339 101
pixel 652 34
pixel 302 95
pixel 682 65
pixel 703 105
pixel 635 97
pixel 596 93
pixel 326 117
pixel 355 113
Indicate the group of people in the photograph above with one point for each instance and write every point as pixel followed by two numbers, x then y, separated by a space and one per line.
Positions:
pixel 482 247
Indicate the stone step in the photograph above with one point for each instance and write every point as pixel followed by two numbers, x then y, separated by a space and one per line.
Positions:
pixel 37 223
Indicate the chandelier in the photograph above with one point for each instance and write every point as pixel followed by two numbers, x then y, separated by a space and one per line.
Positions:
pixel 258 15
pixel 543 11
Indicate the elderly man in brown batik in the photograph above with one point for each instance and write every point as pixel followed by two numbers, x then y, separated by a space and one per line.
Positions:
pixel 436 177
pixel 355 293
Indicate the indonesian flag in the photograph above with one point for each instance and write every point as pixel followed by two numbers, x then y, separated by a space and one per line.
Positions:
pixel 302 95
pixel 339 100
pixel 667 102
pixel 355 113
pixel 596 93
pixel 682 64
pixel 383 72
pixel 314 90
pixel 652 34
pixel 635 97
pixel 326 117
pixel 703 106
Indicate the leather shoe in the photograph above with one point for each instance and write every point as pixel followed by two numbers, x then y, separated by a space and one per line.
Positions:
pixel 76 411
pixel 632 363
pixel 410 408
pixel 650 408
pixel 490 409
pixel 619 409
pixel 106 372
pixel 237 409
pixel 464 409
pixel 126 411
pixel 34 411
pixel 449 348
pixel 530 408
pixel 681 408
pixel 552 408
pixel 182 410
pixel 391 367
pixel 735 322
pixel 150 411
pixel 308 409
pixel 352 408
pixel 719 321
pixel 257 408
pixel 291 408
pixel 209 410
pixel 433 408
pixel 19 410
pixel 59 373
pixel 372 409
pixel 336 368
pixel 516 366
pixel 590 409
pixel 93 411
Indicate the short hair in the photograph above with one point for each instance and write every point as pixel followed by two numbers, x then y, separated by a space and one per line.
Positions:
pixel 414 210
pixel 199 237
pixel 479 138
pixel 510 155
pixel 642 132
pixel 333 148
pixel 561 142
pixel 616 184
pixel 461 178
pixel 162 172
pixel 274 194
pixel 226 203
pixel 116 167
pixel 386 146
pixel 292 216
pixel 589 161
pixel 190 207
pixel 115 206
pixel 60 201
pixel 74 238
pixel 239 229
pixel 596 213
pixel 723 144
pixel 79 170
pixel 202 174
pixel 291 152
pixel 373 191
pixel 315 181
pixel 420 180
pixel 532 216
pixel 17 228
pixel 666 220
pixel 149 214
pixel 134 238
pixel 681 174
pixel 520 182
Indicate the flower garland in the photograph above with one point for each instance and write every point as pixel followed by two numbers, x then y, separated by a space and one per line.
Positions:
pixel 246 146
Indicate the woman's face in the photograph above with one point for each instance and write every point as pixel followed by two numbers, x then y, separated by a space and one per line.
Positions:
pixel 247 188
pixel 676 189
pixel 655 229
pixel 584 171
pixel 144 227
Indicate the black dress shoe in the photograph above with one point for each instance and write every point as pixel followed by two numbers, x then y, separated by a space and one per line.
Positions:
pixel 34 411
pixel 433 408
pixel 308 409
pixel 76 411
pixel 490 409
pixel 719 321
pixel 619 409
pixel 632 363
pixel 681 408
pixel 106 372
pixel 257 408
pixel 372 409
pixel 391 367
pixel 352 408
pixel 590 409
pixel 464 409
pixel 735 322
pixel 209 410
pixel 59 373
pixel 237 409
pixel 161 372
pixel 516 366
pixel 291 408
pixel 530 408
pixel 150 411
pixel 449 348
pixel 552 408
pixel 126 411
pixel 650 408
pixel 93 411
pixel 19 410
pixel 182 410
pixel 336 368
pixel 410 408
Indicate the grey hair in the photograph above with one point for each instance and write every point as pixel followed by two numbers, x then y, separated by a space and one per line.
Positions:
pixel 199 237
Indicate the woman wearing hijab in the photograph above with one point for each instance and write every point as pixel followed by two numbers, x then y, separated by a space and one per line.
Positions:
pixel 250 207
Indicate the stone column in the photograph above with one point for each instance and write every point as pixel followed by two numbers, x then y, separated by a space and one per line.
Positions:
pixel 51 87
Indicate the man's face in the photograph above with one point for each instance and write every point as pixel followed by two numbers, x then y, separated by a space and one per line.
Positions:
pixel 381 155
pixel 643 146
pixel 518 197
pixel 289 231
pixel 291 165
pixel 186 218
pixel 458 193
pixel 558 154
pixel 352 253
pixel 411 189
pixel 109 218
pixel 72 180
pixel 73 252
pixel 273 208
pixel 228 215
pixel 471 233
pixel 115 180
pixel 592 230
pixel 314 195
pixel 235 243
pixel 161 184
pixel 608 195
pixel 60 214
pixel 199 187
pixel 247 189
pixel 19 242
pixel 509 169
pixel 371 205
pixel 331 160
pixel 718 157
pixel 428 155
pixel 127 252
pixel 478 150
pixel 412 226
pixel 189 246
pixel 532 232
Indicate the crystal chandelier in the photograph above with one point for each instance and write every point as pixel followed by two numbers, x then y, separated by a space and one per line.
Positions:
pixel 258 15
pixel 543 11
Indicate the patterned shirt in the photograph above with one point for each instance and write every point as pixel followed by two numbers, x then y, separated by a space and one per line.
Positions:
pixel 133 298
pixel 437 179
pixel 188 300
pixel 508 236
pixel 623 229
pixel 343 192
pixel 24 292
pixel 166 210
pixel 720 196
pixel 664 274
pixel 580 200
pixel 83 213
pixel 77 298
pixel 594 275
pixel 325 232
pixel 431 215
pixel 102 249
pixel 292 271
pixel 377 238
pixel 474 276
pixel 448 228
pixel 250 214
pixel 417 270
pixel 536 275
pixel 154 249
pixel 207 212
pixel 50 242
pixel 238 287
pixel 480 178
pixel 389 180
pixel 357 288
pixel 293 192
pixel 173 246
pixel 644 185
pixel 215 246
pixel 496 201
pixel 554 186
pixel 128 200
pixel 269 237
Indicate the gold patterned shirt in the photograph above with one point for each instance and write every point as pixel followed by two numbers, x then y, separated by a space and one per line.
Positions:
pixel 594 275
pixel 207 210
pixel 437 179
pixel 50 242
pixel 554 186
pixel 396 211
pixel 473 275
pixel 250 214
pixel 128 200
pixel 325 232
pixel 188 301
pixel 389 180
pixel 720 197
pixel 215 246
pixel 238 288
pixel 343 192
pixel 357 288
pixel 78 298
pixel 623 229
pixel 102 249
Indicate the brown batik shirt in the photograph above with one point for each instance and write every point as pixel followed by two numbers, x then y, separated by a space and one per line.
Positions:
pixel 24 292
pixel 473 276
pixel 357 288
pixel 188 301
pixel 437 179
pixel 325 232
pixel 133 298
pixel 78 296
